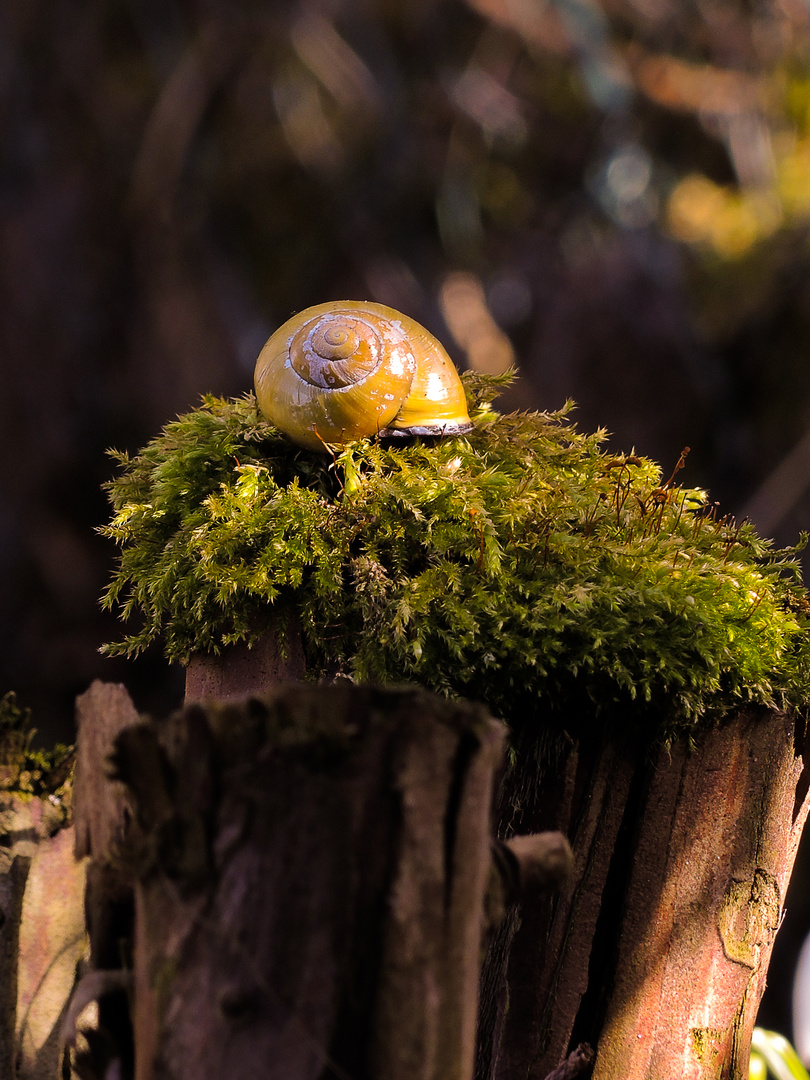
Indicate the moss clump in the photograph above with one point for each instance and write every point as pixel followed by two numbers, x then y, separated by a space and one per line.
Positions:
pixel 520 565
pixel 24 770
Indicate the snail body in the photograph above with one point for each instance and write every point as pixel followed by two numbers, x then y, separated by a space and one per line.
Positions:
pixel 351 369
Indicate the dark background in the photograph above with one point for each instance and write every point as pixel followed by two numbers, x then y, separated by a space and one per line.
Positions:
pixel 613 193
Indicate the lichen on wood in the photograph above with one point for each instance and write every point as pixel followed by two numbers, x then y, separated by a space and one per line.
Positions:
pixel 521 565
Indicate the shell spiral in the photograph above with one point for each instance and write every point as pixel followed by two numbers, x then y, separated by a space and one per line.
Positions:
pixel 348 370
pixel 335 351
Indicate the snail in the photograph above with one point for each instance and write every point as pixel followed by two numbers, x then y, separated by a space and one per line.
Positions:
pixel 347 370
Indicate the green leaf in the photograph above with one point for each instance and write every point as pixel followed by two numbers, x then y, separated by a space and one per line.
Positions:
pixel 772 1055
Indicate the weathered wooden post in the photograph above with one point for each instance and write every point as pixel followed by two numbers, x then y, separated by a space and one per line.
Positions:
pixel 311 896
pixel 313 881
pixel 656 949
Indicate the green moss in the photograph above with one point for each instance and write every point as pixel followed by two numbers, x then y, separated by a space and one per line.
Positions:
pixel 707 1045
pixel 23 769
pixel 519 565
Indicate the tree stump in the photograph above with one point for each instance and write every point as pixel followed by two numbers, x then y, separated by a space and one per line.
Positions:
pixel 310 896
pixel 656 949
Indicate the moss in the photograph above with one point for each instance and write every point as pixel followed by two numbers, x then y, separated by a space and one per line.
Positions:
pixel 707 1045
pixel 24 770
pixel 749 917
pixel 520 565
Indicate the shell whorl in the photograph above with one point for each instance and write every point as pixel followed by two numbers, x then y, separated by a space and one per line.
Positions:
pixel 335 350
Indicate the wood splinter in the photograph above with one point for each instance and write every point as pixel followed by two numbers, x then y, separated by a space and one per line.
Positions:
pixel 576 1062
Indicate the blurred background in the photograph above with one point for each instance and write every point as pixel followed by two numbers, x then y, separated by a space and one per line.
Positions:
pixel 614 195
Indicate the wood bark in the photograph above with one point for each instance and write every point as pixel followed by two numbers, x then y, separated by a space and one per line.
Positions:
pixel 656 949
pixel 99 809
pixel 101 817
pixel 240 670
pixel 714 849
pixel 311 895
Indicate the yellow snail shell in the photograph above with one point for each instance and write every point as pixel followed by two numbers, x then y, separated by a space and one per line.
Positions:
pixel 346 370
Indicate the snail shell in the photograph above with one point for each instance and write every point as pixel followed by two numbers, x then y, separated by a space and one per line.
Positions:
pixel 346 370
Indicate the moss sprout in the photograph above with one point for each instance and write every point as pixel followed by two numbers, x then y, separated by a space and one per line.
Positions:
pixel 521 565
